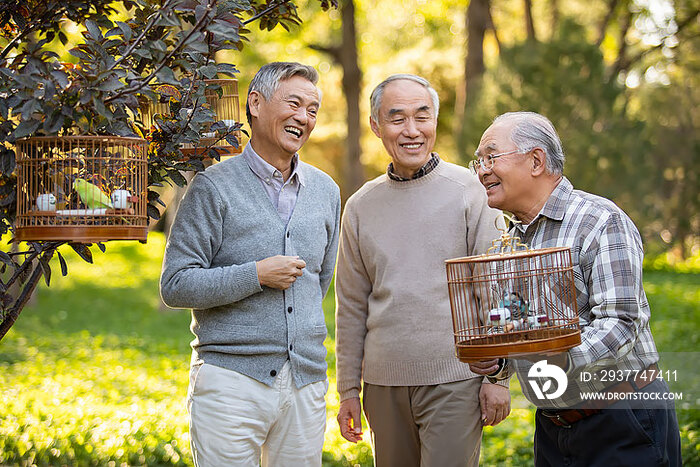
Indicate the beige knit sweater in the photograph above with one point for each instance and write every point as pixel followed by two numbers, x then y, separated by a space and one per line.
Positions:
pixel 393 318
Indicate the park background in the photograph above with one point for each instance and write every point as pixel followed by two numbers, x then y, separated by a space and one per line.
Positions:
pixel 95 370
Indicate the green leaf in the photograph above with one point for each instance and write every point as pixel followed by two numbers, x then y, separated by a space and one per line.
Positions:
pixel 46 270
pixel 177 177
pixel 125 29
pixel 110 84
pixel 93 29
pixel 153 212
pixel 166 76
pixel 26 128
pixel 208 71
pixel 64 266
pixel 82 250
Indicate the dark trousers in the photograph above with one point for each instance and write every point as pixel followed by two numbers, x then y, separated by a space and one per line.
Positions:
pixel 628 433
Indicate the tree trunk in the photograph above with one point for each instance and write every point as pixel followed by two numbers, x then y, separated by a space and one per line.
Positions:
pixel 529 21
pixel 556 14
pixel 345 54
pixel 478 20
pixel 353 173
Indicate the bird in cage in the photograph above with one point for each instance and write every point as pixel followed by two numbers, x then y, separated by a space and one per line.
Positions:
pixel 518 307
pixel 91 195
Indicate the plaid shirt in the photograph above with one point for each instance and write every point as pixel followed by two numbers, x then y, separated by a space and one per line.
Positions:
pixel 612 306
pixel 425 170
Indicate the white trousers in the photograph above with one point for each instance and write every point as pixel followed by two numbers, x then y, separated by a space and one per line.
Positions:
pixel 238 421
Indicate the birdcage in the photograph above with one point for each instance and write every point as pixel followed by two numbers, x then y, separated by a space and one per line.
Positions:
pixel 513 301
pixel 225 107
pixel 81 188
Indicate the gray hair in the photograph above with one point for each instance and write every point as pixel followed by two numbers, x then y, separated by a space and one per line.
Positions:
pixel 267 80
pixel 375 99
pixel 532 130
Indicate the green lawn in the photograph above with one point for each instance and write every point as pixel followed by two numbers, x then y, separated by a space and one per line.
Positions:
pixel 95 370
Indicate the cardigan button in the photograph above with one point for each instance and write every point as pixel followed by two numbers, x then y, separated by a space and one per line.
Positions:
pixel 289 309
pixel 273 373
pixel 287 234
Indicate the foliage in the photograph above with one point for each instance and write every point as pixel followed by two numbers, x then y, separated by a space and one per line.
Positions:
pixel 130 52
pixel 96 371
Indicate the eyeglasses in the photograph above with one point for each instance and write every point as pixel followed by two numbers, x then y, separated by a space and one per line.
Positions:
pixel 486 162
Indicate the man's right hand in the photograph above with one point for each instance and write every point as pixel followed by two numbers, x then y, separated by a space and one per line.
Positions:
pixel 484 367
pixel 279 272
pixel 350 419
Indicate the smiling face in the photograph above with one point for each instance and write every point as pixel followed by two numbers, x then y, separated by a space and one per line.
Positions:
pixel 509 183
pixel 407 125
pixel 281 125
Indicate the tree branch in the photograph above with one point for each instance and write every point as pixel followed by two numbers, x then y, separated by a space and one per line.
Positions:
pixel 264 12
pixel 148 27
pixel 12 315
pixel 150 77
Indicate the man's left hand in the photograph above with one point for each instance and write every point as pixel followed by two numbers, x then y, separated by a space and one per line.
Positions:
pixel 495 403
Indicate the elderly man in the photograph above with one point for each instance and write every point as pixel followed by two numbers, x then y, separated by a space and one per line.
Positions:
pixel 252 252
pixel 393 322
pixel 520 163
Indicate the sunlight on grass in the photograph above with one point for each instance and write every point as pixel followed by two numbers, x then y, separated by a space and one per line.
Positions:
pixel 95 370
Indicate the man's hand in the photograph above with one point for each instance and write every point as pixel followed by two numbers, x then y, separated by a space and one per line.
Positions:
pixel 279 272
pixel 349 419
pixel 495 403
pixel 484 367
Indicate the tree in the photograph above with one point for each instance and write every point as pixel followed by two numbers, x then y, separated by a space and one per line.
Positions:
pixel 130 50
pixel 345 54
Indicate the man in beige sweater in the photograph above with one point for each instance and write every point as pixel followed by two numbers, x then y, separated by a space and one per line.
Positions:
pixel 393 322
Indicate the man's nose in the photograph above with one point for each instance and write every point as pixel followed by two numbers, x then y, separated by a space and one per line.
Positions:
pixel 301 116
pixel 411 129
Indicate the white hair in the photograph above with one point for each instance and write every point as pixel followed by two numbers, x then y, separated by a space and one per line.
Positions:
pixel 532 130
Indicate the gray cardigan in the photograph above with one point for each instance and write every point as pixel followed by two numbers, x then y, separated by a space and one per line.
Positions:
pixel 224 224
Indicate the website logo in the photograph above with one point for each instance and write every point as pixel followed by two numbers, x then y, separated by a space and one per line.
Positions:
pixel 542 375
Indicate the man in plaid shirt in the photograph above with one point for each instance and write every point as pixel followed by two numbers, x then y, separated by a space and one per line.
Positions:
pixel 635 421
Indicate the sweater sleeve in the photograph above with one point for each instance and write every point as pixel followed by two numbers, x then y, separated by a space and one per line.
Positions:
pixel 353 287
pixel 328 265
pixel 187 279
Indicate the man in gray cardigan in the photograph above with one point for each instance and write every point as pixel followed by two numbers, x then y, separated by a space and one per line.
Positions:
pixel 252 252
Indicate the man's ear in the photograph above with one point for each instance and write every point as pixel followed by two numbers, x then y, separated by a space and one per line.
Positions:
pixel 539 162
pixel 375 127
pixel 254 100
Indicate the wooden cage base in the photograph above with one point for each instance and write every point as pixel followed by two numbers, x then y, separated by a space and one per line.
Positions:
pixel 82 233
pixel 518 344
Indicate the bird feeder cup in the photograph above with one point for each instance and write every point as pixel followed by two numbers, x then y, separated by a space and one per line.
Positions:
pixel 50 172
pixel 226 108
pixel 513 302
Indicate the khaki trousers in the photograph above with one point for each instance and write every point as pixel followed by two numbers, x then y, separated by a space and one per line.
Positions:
pixel 238 421
pixel 424 426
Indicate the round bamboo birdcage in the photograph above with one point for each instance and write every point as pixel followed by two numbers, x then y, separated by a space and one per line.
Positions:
pixel 81 188
pixel 513 303
pixel 225 107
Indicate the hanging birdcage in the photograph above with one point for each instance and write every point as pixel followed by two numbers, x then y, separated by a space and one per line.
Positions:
pixel 513 301
pixel 226 108
pixel 81 188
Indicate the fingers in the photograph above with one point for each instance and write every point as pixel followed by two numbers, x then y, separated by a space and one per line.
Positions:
pixel 484 367
pixel 349 420
pixel 280 272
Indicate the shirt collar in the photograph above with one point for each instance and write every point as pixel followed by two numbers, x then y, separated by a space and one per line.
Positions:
pixel 264 169
pixel 555 206
pixel 425 170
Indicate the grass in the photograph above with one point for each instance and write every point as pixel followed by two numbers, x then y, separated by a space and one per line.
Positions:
pixel 95 370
